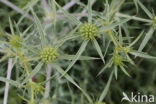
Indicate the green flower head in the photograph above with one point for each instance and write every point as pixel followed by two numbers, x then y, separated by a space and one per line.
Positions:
pixel 154 22
pixel 15 41
pixel 117 60
pixel 48 54
pixel 88 31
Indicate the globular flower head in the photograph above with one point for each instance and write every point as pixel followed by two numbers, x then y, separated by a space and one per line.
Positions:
pixel 48 54
pixel 117 60
pixel 37 88
pixel 88 31
pixel 15 41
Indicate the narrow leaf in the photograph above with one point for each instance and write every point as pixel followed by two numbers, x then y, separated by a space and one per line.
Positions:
pixel 145 9
pixel 130 60
pixel 136 5
pixel 107 47
pixel 146 39
pixel 104 93
pixel 11 27
pixel 116 72
pixel 98 49
pixel 124 70
pixel 71 57
pixel 53 11
pixel 89 11
pixel 142 54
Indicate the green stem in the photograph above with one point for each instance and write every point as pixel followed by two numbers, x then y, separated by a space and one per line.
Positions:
pixel 32 95
pixel 113 39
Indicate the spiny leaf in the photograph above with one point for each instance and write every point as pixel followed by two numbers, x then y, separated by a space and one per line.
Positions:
pixel 107 47
pixel 130 60
pixel 53 6
pixel 136 5
pixel 145 9
pixel 71 57
pixel 146 39
pixel 104 93
pixel 11 27
pixel 124 70
pixel 98 49
pixel 116 72
pixel 142 54
pixel 89 11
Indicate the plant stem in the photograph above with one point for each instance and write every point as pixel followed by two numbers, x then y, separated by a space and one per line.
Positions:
pixel 10 66
pixel 112 38
pixel 47 87
pixel 32 95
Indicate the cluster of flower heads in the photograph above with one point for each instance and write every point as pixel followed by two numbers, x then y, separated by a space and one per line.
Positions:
pixel 88 31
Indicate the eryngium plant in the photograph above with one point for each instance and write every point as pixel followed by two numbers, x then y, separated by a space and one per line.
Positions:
pixel 40 56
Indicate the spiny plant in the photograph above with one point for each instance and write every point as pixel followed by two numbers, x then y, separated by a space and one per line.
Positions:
pixel 36 50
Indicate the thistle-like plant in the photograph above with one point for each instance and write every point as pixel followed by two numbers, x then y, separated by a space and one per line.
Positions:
pixel 36 49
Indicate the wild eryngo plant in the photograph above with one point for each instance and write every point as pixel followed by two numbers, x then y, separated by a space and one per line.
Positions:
pixel 44 53
pixel 34 55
